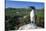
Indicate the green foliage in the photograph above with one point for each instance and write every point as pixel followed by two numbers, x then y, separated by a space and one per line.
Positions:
pixel 14 17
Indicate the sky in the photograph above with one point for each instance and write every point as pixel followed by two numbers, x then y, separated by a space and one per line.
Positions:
pixel 23 4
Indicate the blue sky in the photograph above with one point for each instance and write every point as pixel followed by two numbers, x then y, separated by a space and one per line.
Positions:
pixel 21 4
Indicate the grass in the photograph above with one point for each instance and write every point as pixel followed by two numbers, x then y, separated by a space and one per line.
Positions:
pixel 40 14
pixel 21 21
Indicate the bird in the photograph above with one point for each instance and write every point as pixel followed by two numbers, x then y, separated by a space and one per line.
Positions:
pixel 31 25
